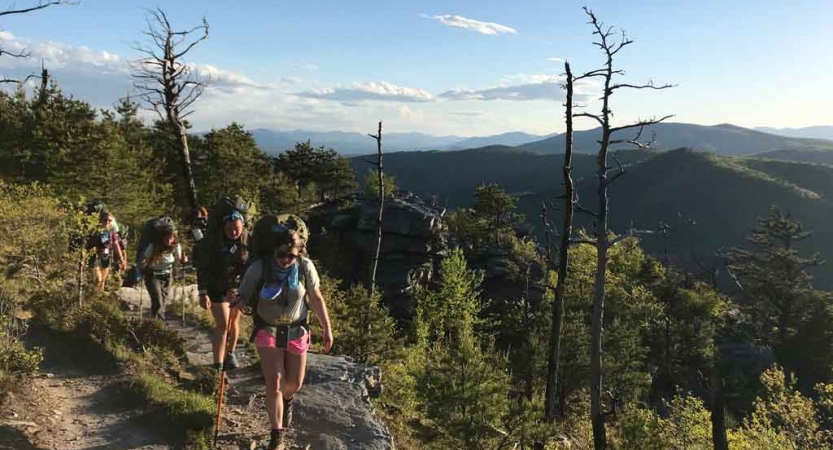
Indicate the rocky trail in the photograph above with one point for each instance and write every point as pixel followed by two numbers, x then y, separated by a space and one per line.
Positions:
pixel 82 403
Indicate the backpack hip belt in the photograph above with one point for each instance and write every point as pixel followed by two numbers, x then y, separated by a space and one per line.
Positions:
pixel 283 332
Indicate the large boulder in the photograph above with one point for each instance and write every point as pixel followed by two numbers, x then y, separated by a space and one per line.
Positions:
pixel 414 239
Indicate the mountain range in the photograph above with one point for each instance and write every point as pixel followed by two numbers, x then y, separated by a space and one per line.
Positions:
pixel 709 200
pixel 722 139
pixel 816 132
pixel 349 143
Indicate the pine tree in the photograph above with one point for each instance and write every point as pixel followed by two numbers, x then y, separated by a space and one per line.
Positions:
pixel 775 279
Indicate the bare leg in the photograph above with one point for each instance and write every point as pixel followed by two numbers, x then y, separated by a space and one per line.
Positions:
pixel 104 274
pixel 220 311
pixel 271 364
pixel 234 332
pixel 295 370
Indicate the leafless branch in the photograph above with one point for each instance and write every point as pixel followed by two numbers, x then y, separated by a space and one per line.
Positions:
pixel 23 53
pixel 15 80
pixel 584 210
pixel 636 142
pixel 641 123
pixel 619 167
pixel 649 85
pixel 40 5
pixel 591 116
pixel 583 241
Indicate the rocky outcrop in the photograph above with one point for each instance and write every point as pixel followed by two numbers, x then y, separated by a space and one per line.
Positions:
pixel 413 241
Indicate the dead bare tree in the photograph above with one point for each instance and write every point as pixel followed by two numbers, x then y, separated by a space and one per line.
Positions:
pixel 380 175
pixel 24 53
pixel 168 85
pixel 607 174
pixel 554 350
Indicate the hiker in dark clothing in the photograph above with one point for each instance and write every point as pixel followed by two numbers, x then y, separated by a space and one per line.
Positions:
pixel 157 263
pixel 220 259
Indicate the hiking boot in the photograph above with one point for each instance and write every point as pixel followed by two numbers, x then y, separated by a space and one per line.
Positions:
pixel 231 361
pixel 275 440
pixel 287 413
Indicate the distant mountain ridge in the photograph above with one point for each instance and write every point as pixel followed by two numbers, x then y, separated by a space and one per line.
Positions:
pixel 511 139
pixel 709 201
pixel 350 143
pixel 815 132
pixel 724 139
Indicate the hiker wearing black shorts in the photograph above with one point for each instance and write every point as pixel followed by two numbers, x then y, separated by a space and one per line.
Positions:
pixel 107 246
pixel 220 259
pixel 157 262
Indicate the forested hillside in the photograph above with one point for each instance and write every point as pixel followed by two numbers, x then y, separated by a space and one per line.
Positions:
pixel 685 306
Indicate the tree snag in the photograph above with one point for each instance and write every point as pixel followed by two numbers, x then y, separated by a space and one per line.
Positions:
pixel 168 85
pixel 607 175
pixel 381 177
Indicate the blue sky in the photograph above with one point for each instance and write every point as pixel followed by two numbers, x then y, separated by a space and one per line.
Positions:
pixel 454 67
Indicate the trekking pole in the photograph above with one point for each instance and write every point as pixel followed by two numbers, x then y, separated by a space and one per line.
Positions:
pixel 141 298
pixel 222 381
pixel 182 293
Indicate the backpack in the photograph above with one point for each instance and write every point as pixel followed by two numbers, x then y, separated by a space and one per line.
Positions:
pixel 269 232
pixel 150 232
pixel 95 206
pixel 225 206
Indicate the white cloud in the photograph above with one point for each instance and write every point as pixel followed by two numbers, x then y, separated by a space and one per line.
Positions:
pixel 558 60
pixel 101 78
pixel 523 87
pixel 374 91
pixel 224 79
pixel 310 67
pixel 515 88
pixel 290 80
pixel 489 28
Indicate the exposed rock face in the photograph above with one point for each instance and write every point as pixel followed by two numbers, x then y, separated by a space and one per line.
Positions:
pixel 413 241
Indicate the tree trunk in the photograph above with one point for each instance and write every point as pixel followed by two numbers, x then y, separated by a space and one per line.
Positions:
pixel 381 178
pixel 185 157
pixel 81 278
pixel 554 354
pixel 597 322
pixel 718 409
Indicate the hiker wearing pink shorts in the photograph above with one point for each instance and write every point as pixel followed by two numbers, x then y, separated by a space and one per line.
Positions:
pixel 275 289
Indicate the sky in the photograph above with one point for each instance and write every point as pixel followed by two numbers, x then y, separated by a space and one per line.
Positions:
pixel 455 67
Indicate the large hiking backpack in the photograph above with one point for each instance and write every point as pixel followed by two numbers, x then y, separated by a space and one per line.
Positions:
pixel 225 206
pixel 270 231
pixel 150 232
pixel 95 206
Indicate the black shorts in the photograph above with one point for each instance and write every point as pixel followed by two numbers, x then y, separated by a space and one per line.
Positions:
pixel 100 260
pixel 217 296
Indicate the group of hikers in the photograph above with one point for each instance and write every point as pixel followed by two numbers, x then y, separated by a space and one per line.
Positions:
pixel 264 273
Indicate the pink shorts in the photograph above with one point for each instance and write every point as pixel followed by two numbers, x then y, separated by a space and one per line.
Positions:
pixel 264 339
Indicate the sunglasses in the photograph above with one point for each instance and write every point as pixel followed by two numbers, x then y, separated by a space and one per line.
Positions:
pixel 286 255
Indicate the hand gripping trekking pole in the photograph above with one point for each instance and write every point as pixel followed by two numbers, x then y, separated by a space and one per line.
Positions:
pixel 222 379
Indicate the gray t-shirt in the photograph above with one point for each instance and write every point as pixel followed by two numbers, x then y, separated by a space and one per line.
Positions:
pixel 273 311
pixel 165 261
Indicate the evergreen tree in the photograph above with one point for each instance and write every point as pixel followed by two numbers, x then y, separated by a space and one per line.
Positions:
pixel 775 279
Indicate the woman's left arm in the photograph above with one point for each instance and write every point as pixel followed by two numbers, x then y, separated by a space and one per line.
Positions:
pixel 319 307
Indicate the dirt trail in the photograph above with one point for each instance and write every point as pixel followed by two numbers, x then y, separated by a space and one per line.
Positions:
pixel 80 401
